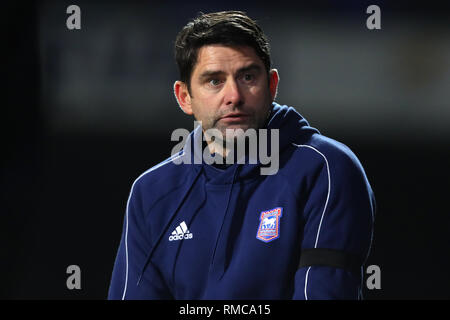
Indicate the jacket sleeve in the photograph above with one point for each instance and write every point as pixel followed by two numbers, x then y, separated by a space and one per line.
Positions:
pixel 131 258
pixel 338 216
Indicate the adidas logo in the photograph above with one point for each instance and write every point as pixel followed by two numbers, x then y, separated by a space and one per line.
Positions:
pixel 181 232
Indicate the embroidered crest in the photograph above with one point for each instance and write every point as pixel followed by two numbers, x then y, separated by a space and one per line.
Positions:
pixel 269 226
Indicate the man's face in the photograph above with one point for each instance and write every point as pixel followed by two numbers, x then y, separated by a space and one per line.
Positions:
pixel 229 89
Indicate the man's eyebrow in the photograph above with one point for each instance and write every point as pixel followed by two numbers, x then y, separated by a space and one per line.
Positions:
pixel 210 73
pixel 252 67
pixel 214 73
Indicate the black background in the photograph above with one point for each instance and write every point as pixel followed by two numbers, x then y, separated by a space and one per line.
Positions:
pixel 63 196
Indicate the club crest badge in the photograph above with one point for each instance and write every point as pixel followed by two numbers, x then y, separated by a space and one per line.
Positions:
pixel 269 225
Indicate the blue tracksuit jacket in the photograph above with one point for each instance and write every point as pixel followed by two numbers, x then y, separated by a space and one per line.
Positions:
pixel 193 231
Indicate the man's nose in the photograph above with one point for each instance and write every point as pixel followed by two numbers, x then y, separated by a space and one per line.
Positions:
pixel 233 95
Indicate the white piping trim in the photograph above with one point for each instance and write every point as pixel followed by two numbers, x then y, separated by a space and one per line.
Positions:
pixel 128 204
pixel 306 283
pixel 325 207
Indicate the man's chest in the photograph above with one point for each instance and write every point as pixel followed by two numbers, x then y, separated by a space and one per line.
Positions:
pixel 231 243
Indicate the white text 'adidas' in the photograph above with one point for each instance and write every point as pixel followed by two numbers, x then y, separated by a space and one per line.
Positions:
pixel 181 232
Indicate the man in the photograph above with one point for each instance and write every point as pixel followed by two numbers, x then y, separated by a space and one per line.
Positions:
pixel 194 230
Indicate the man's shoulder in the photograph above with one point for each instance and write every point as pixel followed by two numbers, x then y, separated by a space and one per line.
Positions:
pixel 167 173
pixel 322 150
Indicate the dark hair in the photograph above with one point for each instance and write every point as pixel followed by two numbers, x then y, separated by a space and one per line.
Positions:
pixel 233 28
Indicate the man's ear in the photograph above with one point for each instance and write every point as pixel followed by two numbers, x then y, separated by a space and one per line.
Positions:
pixel 183 97
pixel 274 78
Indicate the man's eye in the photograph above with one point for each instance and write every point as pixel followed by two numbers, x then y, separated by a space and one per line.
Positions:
pixel 214 82
pixel 248 77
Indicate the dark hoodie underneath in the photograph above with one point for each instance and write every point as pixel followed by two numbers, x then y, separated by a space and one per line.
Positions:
pixel 196 231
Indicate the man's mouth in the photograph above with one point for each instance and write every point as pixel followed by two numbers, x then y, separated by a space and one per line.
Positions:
pixel 235 117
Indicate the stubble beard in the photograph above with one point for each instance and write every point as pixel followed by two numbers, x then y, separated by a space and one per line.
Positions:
pixel 233 136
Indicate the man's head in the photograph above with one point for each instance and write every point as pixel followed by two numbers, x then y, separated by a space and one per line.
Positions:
pixel 225 76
